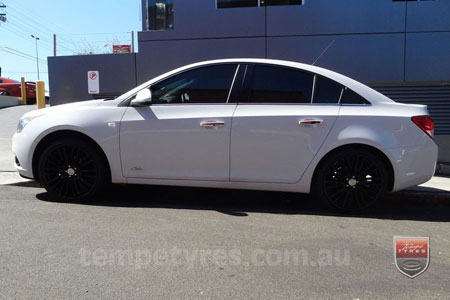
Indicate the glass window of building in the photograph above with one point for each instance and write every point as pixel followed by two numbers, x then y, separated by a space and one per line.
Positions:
pixel 159 14
pixel 252 3
pixel 236 3
pixel 280 2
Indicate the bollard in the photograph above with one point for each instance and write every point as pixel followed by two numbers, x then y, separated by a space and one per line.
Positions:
pixel 23 91
pixel 40 94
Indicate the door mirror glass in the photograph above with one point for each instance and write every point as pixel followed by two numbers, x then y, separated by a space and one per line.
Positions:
pixel 143 98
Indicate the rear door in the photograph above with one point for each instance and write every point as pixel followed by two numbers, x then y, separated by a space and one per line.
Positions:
pixel 278 126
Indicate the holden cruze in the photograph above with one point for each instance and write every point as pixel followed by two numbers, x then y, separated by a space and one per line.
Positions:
pixel 235 123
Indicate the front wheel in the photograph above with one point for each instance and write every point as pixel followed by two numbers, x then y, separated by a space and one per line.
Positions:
pixel 351 180
pixel 72 170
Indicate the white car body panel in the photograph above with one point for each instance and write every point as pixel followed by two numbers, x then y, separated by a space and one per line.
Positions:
pixel 165 144
pixel 169 142
pixel 265 137
pixel 94 119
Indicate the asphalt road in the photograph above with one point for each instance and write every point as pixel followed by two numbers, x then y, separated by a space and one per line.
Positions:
pixel 140 242
pixel 177 243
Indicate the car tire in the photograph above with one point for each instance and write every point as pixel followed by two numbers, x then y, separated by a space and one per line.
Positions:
pixel 352 180
pixel 72 170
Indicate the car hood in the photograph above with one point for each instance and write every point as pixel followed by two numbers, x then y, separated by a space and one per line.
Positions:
pixel 70 107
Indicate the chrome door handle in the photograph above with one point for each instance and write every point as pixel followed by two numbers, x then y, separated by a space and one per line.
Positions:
pixel 311 122
pixel 212 124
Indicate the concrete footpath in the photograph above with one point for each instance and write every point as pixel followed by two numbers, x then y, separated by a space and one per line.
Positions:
pixel 437 189
pixel 9 117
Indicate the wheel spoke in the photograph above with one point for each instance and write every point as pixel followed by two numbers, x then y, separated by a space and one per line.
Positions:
pixel 69 171
pixel 353 182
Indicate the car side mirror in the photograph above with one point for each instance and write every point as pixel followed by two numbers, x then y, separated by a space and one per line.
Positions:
pixel 143 98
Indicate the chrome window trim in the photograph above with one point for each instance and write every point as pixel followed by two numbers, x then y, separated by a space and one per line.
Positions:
pixel 313 88
pixel 232 83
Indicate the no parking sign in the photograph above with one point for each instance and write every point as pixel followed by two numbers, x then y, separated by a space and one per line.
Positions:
pixel 93 82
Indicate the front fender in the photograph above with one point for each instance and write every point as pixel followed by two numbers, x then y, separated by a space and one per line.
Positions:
pixel 101 124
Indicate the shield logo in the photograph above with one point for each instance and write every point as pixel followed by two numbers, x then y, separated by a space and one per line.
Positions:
pixel 411 254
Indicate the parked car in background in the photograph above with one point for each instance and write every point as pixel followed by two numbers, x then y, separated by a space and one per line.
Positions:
pixel 236 123
pixel 10 87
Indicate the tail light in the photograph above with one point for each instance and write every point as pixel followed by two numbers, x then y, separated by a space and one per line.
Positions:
pixel 425 123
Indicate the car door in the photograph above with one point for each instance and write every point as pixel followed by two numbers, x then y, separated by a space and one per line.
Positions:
pixel 278 127
pixel 185 132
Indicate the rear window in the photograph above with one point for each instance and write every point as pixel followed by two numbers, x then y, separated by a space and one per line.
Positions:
pixel 327 90
pixel 350 97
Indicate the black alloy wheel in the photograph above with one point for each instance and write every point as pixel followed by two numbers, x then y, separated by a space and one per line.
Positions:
pixel 351 180
pixel 72 170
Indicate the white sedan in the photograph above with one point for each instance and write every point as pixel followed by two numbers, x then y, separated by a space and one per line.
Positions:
pixel 235 123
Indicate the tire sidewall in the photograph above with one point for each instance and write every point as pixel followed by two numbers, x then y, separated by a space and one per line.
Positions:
pixel 318 190
pixel 101 180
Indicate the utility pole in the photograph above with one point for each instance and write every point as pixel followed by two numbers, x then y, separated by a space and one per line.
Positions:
pixel 132 42
pixel 37 53
pixel 54 44
pixel 2 15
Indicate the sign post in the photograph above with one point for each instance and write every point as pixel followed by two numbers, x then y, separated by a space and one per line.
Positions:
pixel 93 82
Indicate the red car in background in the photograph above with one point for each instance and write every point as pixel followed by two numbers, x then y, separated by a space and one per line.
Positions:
pixel 9 87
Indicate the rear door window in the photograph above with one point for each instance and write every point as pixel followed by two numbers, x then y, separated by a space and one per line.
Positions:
pixel 350 97
pixel 273 84
pixel 327 90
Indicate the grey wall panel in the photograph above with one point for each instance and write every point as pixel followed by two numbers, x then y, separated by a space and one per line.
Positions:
pixel 335 17
pixel 68 76
pixel 200 19
pixel 157 57
pixel 427 56
pixel 367 58
pixel 428 15
pixel 443 142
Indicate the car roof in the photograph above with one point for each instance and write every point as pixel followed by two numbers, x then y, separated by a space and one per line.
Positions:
pixel 7 80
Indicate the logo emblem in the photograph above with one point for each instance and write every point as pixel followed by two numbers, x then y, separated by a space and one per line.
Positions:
pixel 411 254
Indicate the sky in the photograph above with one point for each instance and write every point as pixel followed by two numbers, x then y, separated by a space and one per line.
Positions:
pixel 80 26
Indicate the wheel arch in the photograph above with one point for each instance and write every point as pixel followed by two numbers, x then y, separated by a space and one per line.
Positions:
pixel 384 158
pixel 63 134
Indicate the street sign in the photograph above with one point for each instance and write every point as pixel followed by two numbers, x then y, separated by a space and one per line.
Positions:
pixel 93 82
pixel 121 49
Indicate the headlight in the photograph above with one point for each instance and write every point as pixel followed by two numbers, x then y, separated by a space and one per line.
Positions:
pixel 23 122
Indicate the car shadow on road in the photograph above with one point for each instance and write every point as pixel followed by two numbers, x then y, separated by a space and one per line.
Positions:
pixel 240 203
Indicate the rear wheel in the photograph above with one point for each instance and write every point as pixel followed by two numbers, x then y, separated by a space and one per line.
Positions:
pixel 73 170
pixel 351 180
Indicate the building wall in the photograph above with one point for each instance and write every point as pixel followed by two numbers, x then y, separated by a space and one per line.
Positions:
pixel 160 56
pixel 68 76
pixel 372 41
